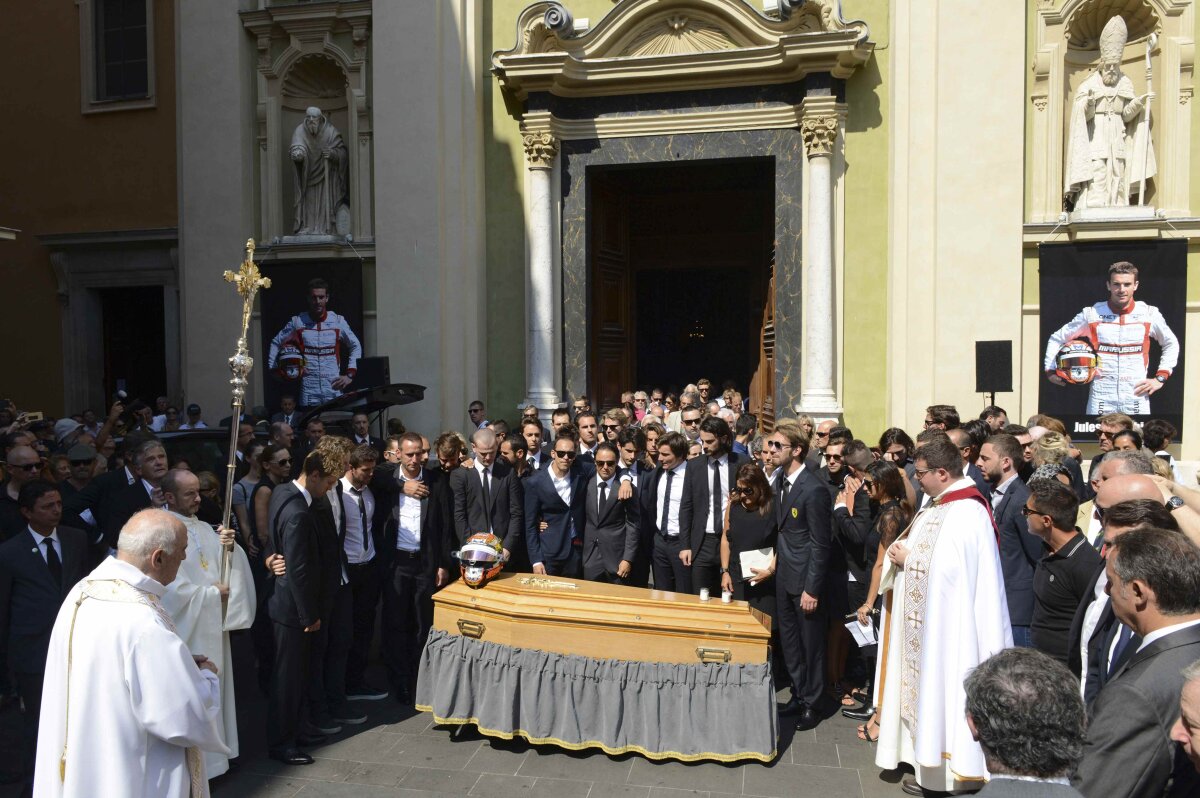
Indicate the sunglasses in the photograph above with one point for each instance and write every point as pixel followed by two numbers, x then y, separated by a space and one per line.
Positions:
pixel 868 484
pixel 834 457
pixel 30 468
pixel 285 461
pixel 564 455
pixel 612 426
pixel 1028 511
pixel 776 445
pixel 606 463
pixel 691 421
pixel 81 462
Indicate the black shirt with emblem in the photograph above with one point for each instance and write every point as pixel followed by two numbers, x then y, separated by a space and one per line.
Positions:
pixel 1059 583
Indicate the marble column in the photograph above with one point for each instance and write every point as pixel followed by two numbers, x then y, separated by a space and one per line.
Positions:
pixel 818 395
pixel 541 370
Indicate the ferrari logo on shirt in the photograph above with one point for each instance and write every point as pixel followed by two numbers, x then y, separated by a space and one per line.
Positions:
pixel 795 513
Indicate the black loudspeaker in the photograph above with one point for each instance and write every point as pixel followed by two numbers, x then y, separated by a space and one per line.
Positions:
pixel 993 366
pixel 372 373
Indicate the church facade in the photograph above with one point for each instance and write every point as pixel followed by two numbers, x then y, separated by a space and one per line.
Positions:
pixel 828 203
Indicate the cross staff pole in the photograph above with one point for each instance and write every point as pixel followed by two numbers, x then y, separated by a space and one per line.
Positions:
pixel 1150 42
pixel 248 280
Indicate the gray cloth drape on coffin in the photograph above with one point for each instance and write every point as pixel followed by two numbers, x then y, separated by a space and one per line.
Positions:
pixel 723 712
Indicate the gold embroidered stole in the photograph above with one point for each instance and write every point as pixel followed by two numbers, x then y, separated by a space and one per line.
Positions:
pixel 921 540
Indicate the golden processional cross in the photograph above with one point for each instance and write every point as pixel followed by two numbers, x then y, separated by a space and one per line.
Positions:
pixel 248 280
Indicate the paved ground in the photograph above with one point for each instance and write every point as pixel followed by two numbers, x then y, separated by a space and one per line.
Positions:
pixel 398 752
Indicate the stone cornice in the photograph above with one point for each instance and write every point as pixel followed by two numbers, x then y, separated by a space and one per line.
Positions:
pixel 661 45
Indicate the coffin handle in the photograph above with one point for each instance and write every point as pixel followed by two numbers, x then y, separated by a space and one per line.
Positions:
pixel 471 629
pixel 709 655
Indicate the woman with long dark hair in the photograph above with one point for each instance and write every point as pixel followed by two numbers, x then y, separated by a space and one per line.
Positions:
pixel 749 525
pixel 884 485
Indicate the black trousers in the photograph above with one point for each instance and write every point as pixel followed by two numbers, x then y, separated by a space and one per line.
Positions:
pixel 802 636
pixel 260 631
pixel 407 617
pixel 365 586
pixel 571 567
pixel 330 647
pixel 669 571
pixel 29 688
pixel 706 566
pixel 285 707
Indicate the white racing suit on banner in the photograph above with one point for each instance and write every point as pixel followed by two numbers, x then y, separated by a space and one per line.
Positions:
pixel 321 344
pixel 1122 344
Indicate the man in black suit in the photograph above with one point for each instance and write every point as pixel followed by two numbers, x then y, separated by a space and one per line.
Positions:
pixel 805 515
pixel 38 567
pixel 488 498
pixel 23 464
pixel 328 709
pixel 537 453
pixel 415 548
pixel 1154 586
pixel 661 516
pixel 706 483
pixel 360 539
pixel 151 460
pixel 555 495
pixel 295 606
pixel 513 451
pixel 1126 502
pixel 287 411
pixel 610 523
pixel 360 423
pixel 92 504
pixel 999 458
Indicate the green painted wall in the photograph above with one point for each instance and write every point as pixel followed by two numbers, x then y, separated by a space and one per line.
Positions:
pixel 865 285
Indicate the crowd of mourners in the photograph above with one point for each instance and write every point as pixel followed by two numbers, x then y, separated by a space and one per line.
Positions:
pixel 688 493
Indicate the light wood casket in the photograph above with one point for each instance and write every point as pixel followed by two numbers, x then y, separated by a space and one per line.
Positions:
pixel 603 621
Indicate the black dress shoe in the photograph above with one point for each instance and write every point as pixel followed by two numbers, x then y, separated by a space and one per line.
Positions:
pixel 858 713
pixel 808 720
pixel 792 707
pixel 909 786
pixel 291 756
pixel 403 695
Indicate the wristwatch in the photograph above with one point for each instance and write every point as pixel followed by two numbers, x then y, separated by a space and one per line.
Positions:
pixel 726 570
pixel 1161 379
pixel 1174 503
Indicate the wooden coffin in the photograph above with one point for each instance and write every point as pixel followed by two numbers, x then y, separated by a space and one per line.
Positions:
pixel 603 621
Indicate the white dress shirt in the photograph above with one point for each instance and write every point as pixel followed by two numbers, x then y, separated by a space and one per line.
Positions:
pixel 408 532
pixel 303 492
pixel 41 547
pixel 722 461
pixel 675 498
pixel 1158 634
pixel 485 477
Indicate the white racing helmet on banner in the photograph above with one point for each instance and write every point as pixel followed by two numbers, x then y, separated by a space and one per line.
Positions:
pixel 290 361
pixel 1076 362
pixel 480 558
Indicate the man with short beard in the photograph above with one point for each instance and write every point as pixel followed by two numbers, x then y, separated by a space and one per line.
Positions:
pixel 1019 551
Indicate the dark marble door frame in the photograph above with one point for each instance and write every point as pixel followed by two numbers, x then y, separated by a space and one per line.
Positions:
pixel 784 146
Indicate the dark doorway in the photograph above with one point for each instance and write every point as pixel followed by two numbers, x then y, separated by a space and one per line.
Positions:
pixel 680 264
pixel 135 352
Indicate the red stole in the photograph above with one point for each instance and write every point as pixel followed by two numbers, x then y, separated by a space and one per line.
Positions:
pixel 971 492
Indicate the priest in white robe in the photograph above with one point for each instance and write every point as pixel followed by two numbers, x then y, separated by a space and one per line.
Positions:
pixel 944 613
pixel 204 610
pixel 127 708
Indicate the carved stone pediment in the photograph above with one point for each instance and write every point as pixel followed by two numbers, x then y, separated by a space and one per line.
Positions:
pixel 660 45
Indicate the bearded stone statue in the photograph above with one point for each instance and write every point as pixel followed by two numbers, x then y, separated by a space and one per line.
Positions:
pixel 322 164
pixel 1109 148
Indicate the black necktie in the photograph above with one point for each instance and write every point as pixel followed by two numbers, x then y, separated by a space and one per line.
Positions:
pixel 532 462
pixel 362 515
pixel 603 498
pixel 52 561
pixel 485 478
pixel 1123 636
pixel 716 497
pixel 783 491
pixel 662 525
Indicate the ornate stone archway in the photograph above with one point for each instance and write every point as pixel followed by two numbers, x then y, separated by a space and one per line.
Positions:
pixel 661 80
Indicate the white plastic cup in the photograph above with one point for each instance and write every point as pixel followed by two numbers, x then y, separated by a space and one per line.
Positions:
pixel 704 594
pixel 726 596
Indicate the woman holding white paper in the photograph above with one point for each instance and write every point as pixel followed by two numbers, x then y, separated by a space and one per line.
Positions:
pixel 750 530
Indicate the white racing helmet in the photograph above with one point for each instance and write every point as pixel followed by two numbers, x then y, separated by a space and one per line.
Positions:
pixel 480 558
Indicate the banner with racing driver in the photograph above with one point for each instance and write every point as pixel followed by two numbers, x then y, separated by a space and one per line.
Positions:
pixel 1112 324
pixel 312 322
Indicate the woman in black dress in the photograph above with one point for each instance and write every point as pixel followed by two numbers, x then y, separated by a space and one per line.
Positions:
pixel 749 525
pixel 885 484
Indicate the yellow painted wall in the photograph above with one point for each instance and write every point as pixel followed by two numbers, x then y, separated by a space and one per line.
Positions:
pixel 865 317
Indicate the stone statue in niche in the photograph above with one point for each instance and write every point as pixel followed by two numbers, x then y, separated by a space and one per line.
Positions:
pixel 1109 152
pixel 322 165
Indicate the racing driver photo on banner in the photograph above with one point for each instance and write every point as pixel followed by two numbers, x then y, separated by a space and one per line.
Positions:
pixel 315 353
pixel 1107 347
